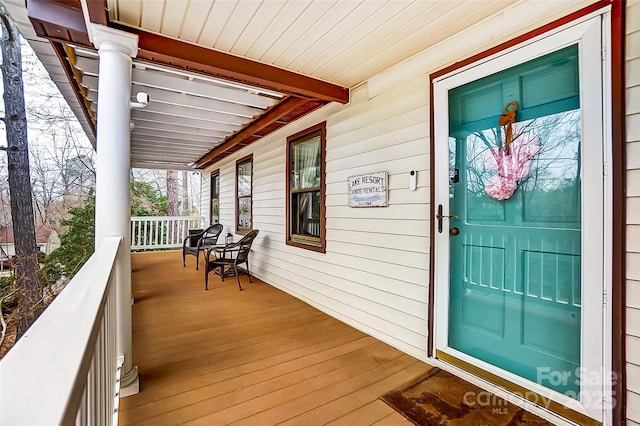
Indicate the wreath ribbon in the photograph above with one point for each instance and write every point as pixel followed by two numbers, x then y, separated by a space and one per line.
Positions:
pixel 507 119
pixel 513 161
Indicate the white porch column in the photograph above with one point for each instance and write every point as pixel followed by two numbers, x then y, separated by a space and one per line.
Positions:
pixel 116 49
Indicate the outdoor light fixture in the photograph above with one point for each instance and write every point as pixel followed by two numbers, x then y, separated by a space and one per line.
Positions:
pixel 142 99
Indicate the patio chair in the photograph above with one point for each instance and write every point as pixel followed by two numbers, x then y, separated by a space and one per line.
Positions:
pixel 199 241
pixel 241 249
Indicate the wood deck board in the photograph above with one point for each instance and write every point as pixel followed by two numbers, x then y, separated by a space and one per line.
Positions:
pixel 160 385
pixel 298 407
pixel 242 351
pixel 393 419
pixel 369 413
pixel 258 356
pixel 362 397
pixel 263 396
pixel 245 387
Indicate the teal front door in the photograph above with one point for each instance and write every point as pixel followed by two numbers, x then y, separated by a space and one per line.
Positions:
pixel 515 220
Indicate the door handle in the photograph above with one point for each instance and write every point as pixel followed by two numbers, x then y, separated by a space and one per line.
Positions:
pixel 440 216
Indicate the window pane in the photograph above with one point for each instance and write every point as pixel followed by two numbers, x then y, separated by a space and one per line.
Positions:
pixel 244 180
pixel 215 198
pixel 244 214
pixel 215 210
pixel 305 219
pixel 216 186
pixel 306 164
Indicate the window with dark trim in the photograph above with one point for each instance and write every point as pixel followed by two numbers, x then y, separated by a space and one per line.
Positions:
pixel 214 208
pixel 244 190
pixel 306 187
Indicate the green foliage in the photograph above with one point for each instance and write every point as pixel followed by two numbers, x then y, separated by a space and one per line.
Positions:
pixel 147 200
pixel 6 281
pixel 7 298
pixel 7 294
pixel 76 245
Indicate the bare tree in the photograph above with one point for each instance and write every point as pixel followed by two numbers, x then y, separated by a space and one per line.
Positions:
pixel 62 177
pixel 5 205
pixel 185 193
pixel 29 283
pixel 62 165
pixel 43 182
pixel 172 193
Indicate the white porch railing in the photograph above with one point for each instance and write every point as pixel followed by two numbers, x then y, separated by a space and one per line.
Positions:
pixel 64 370
pixel 155 232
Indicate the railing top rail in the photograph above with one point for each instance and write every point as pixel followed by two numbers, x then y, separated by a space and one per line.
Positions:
pixel 42 377
pixel 194 218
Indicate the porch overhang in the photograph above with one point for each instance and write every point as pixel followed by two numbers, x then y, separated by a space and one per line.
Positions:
pixel 183 128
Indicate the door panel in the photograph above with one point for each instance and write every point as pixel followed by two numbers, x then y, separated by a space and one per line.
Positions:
pixel 514 296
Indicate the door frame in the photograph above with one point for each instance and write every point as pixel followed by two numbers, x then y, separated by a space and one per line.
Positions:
pixel 591 29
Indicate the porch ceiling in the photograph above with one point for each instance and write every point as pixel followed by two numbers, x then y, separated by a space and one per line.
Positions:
pixel 222 74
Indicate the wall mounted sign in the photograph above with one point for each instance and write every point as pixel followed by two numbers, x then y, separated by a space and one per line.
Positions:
pixel 368 190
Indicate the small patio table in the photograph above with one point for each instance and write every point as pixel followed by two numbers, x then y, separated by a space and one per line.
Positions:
pixel 225 248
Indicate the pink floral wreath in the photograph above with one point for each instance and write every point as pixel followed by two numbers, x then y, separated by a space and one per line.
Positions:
pixel 513 161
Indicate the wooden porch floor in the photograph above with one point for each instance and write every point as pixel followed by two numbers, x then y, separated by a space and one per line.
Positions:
pixel 256 357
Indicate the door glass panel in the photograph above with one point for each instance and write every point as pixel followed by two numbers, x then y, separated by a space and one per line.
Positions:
pixel 515 282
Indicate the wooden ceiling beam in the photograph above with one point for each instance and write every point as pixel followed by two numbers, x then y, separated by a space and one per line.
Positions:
pixel 274 114
pixel 64 21
pixel 159 49
pixel 97 10
pixel 57 14
pixel 58 21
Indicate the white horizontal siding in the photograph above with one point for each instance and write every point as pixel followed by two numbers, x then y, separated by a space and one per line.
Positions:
pixel 633 210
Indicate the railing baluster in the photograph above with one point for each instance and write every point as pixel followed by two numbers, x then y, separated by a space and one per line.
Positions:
pixel 147 229
pixel 146 237
pixel 95 375
pixel 138 224
pixel 103 387
pixel 81 417
pixel 174 231
pixel 155 232
pixel 167 234
pixel 167 231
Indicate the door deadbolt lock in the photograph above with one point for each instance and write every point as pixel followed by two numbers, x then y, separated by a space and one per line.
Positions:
pixel 454 231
